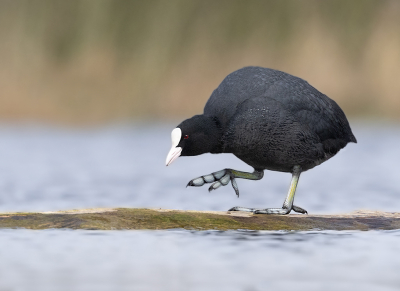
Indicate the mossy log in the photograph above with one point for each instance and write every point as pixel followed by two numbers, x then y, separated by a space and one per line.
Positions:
pixel 125 218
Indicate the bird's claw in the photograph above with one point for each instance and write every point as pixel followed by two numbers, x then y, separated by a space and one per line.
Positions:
pixel 238 208
pixel 218 179
pixel 280 211
pixel 299 209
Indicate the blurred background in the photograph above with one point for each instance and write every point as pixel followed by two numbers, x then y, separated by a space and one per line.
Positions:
pixel 90 91
pixel 92 62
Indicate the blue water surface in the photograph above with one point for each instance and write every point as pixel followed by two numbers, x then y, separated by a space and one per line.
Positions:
pixel 47 169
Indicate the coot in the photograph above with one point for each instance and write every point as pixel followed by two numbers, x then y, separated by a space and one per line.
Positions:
pixel 270 120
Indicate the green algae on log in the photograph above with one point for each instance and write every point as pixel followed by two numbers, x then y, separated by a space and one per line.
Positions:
pixel 127 218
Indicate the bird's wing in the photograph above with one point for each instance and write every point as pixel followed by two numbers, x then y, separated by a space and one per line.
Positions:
pixel 261 124
pixel 312 108
pixel 309 106
pixel 315 110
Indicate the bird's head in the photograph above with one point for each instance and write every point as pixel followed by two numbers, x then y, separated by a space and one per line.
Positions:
pixel 195 136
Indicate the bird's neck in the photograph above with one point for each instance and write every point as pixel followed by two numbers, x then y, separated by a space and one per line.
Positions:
pixel 214 135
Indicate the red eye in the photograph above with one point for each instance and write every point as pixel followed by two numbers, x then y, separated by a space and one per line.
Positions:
pixel 186 137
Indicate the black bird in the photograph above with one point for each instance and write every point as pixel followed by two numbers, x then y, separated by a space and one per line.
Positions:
pixel 270 120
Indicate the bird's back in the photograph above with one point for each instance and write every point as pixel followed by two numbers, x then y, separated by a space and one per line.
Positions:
pixel 238 87
pixel 304 103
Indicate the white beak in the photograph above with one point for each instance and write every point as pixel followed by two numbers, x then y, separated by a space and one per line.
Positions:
pixel 175 151
pixel 173 154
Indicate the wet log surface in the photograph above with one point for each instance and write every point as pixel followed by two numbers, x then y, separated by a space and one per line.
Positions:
pixel 135 218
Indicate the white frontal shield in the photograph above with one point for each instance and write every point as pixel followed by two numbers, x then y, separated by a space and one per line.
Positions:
pixel 175 151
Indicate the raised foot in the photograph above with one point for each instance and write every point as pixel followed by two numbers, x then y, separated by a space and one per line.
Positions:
pixel 220 178
pixel 280 211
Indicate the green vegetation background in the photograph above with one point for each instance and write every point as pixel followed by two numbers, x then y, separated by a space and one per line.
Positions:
pixel 98 61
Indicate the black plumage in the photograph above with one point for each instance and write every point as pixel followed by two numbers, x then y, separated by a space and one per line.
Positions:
pixel 268 119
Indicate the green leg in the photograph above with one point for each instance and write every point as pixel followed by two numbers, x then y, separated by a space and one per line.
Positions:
pixel 287 204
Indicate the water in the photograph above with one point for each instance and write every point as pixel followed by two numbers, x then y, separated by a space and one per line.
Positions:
pixel 46 169
pixel 183 260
